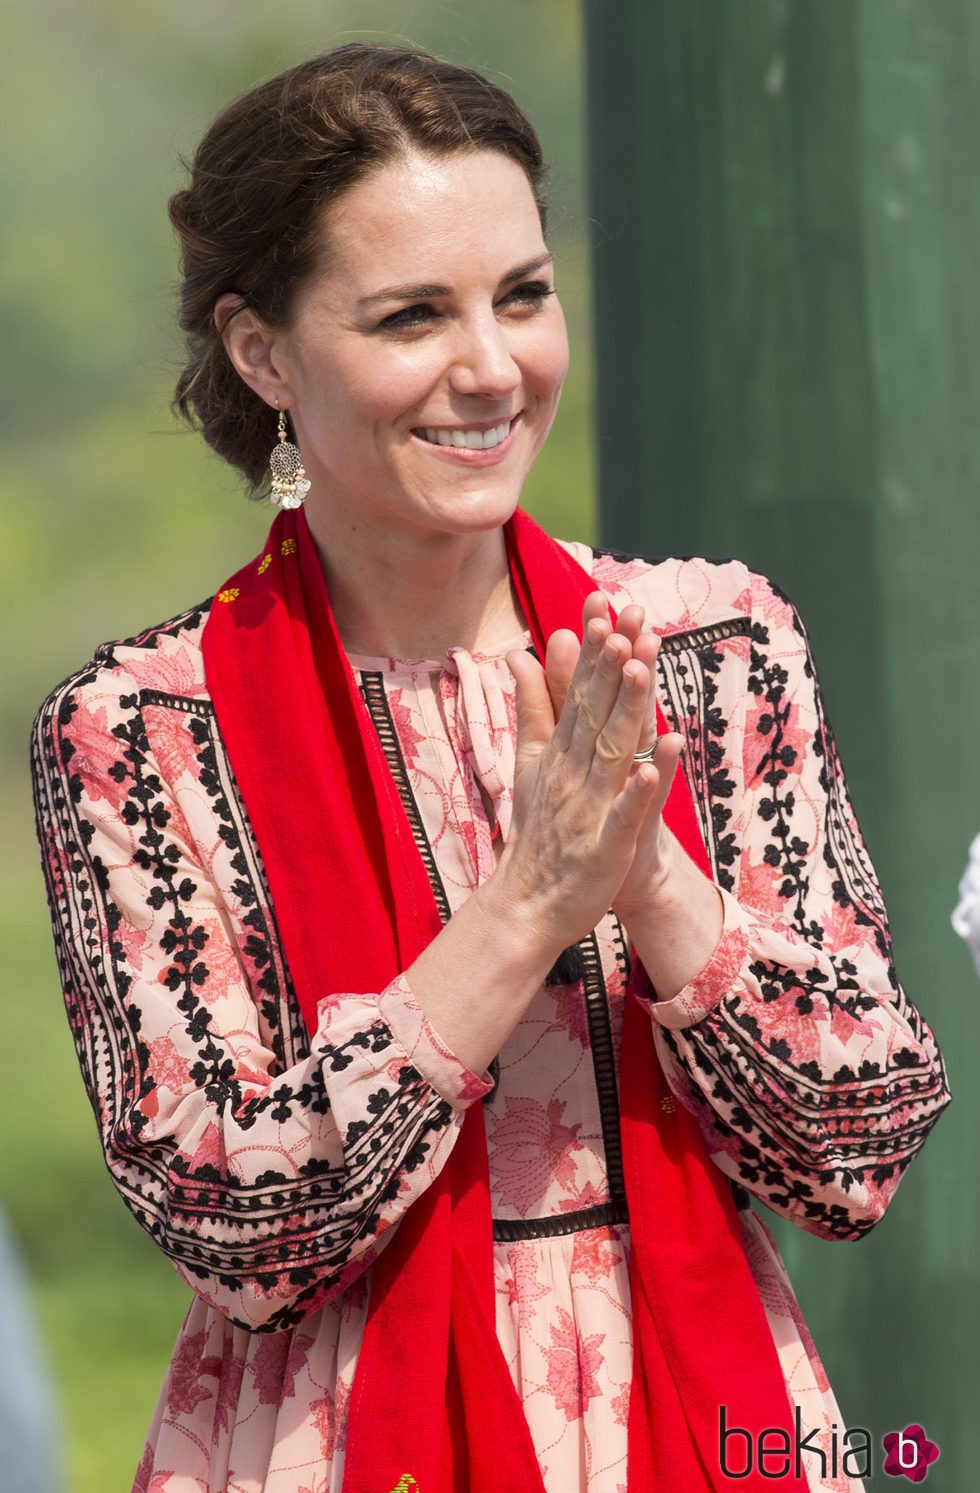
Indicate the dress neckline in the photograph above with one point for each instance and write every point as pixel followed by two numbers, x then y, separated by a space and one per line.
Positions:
pixel 364 663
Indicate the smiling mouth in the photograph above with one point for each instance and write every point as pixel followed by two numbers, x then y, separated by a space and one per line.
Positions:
pixel 470 440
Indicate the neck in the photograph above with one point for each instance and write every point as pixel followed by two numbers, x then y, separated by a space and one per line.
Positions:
pixel 413 596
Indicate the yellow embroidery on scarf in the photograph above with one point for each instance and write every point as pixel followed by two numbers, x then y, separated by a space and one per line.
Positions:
pixel 289 548
pixel 404 1482
pixel 230 593
pixel 264 564
pixel 668 1105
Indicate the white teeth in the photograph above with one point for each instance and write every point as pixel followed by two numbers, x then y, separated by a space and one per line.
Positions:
pixel 496 435
pixel 472 440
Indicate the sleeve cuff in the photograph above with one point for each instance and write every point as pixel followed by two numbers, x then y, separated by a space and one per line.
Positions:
pixel 414 1032
pixel 713 981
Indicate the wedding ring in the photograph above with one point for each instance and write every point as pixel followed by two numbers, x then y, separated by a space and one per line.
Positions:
pixel 646 756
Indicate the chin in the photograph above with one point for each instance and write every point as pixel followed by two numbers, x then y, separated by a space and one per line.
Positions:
pixel 482 517
pixel 475 512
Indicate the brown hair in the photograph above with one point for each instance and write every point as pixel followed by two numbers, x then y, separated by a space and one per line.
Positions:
pixel 249 221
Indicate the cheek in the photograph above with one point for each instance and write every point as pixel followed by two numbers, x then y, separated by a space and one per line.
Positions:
pixel 387 389
pixel 551 360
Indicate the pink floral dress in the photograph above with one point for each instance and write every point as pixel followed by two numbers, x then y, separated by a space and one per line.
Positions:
pixel 266 1163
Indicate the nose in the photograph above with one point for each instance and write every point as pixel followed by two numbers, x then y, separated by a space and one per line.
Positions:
pixel 483 359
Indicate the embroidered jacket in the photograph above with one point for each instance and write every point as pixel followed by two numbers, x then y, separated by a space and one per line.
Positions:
pixel 269 1166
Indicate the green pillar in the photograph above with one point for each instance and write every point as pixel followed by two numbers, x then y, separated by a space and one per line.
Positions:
pixel 786 220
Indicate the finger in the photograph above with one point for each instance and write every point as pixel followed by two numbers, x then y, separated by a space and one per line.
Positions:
pixel 624 823
pixel 535 716
pixel 596 604
pixel 646 649
pixel 616 743
pixel 669 749
pixel 658 777
pixel 560 660
pixel 596 632
pixel 630 622
pixel 595 611
pixel 606 693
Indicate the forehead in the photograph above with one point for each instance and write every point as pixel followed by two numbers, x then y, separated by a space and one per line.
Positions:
pixel 422 215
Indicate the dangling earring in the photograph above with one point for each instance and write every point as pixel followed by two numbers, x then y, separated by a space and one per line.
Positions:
pixel 289 482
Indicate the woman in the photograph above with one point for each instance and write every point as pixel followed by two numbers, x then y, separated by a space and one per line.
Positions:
pixel 374 926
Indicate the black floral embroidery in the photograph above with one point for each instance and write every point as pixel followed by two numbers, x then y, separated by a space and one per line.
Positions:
pixel 291 1234
pixel 800 1136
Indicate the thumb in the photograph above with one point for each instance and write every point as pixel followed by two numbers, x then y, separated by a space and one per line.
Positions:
pixel 560 659
pixel 535 713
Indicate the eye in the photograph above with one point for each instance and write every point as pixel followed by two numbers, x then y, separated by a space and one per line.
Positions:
pixel 530 293
pixel 408 318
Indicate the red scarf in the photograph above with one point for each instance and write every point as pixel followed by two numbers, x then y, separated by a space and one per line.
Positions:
pixel 432 1396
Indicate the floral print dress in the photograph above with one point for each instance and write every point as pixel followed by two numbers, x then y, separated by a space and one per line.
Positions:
pixel 268 1164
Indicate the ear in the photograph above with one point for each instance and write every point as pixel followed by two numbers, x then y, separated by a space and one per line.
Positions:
pixel 253 349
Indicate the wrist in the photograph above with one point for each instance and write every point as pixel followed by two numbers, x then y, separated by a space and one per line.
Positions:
pixel 676 927
pixel 476 978
pixel 655 887
pixel 526 913
pixel 717 978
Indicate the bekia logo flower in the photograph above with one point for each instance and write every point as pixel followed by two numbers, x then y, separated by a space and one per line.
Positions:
pixel 909 1453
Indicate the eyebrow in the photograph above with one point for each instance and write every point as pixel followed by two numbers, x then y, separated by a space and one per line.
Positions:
pixel 427 292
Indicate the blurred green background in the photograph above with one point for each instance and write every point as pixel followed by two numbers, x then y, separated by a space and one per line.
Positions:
pixel 112 518
pixel 788 322
pixel 783 377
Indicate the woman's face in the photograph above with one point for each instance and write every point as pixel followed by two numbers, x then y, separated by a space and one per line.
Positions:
pixel 423 365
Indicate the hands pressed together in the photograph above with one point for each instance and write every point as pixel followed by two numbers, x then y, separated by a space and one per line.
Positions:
pixel 588 833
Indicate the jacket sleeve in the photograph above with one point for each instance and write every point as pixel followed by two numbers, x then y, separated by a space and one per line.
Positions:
pixel 814 1078
pixel 268 1180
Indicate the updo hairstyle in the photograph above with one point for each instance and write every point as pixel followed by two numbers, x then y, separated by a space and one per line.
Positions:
pixel 250 221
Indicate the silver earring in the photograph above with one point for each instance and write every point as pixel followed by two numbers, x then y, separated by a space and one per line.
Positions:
pixel 289 482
